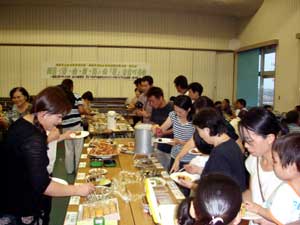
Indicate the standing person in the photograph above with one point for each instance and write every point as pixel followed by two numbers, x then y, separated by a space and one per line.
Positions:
pixel 181 85
pixel 144 109
pixel 282 206
pixel 226 156
pixel 25 157
pixel 160 112
pixel 226 109
pixel 138 84
pixel 21 105
pixel 87 99
pixel 259 129
pixel 72 121
pixel 181 120
pixel 195 90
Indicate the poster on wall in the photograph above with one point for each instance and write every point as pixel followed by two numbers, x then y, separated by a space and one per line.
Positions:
pixel 96 70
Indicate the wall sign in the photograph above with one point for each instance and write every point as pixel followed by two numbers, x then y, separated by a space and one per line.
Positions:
pixel 96 70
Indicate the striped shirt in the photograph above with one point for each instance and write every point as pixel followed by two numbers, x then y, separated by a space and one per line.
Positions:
pixel 182 132
pixel 73 118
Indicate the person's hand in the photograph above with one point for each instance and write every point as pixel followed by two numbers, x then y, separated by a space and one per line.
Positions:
pixel 187 184
pixel 67 135
pixel 175 166
pixel 237 219
pixel 53 135
pixel 85 189
pixel 159 132
pixel 193 169
pixel 252 207
pixel 141 112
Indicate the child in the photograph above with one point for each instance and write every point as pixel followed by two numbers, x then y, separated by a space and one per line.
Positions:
pixel 217 201
pixel 283 206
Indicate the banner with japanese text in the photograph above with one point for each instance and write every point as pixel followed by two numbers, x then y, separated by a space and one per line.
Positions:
pixel 96 70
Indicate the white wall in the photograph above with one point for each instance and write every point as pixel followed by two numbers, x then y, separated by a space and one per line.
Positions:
pixel 22 66
pixel 278 19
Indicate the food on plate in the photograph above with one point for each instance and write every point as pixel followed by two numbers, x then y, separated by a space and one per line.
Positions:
pixel 102 148
pixel 129 146
pixel 195 151
pixel 77 133
pixel 184 178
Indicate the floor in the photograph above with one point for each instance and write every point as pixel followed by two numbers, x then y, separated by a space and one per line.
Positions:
pixel 59 205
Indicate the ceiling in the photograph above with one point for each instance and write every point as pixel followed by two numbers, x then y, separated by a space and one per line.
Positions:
pixel 235 8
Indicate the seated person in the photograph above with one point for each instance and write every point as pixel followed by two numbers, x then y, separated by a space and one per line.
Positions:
pixel 217 200
pixel 293 121
pixel 282 206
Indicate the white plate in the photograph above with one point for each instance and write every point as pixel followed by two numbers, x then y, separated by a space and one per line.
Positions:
pixel 58 180
pixel 82 135
pixel 250 216
pixel 191 177
pixel 98 171
pixel 163 140
pixel 195 151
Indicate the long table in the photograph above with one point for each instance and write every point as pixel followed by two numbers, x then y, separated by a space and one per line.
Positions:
pixel 131 213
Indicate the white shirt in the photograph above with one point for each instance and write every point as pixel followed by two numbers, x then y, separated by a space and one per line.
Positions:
pixel 52 147
pixel 284 204
pixel 268 180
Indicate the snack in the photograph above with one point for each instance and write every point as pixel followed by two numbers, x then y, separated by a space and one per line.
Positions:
pixel 243 210
pixel 77 133
pixel 184 178
pixel 102 149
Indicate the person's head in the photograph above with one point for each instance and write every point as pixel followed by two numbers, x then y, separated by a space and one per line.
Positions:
pixel 209 124
pixel 202 102
pixel 183 106
pixel 195 90
pixel 181 84
pixel 259 128
pixel 240 103
pixel 268 107
pixel 297 108
pixel 286 156
pixel 49 106
pixel 217 200
pixel 19 96
pixel 138 84
pixel 147 83
pixel 155 97
pixel 183 213
pixel 88 96
pixel 292 117
pixel 225 103
pixel 137 92
pixel 68 84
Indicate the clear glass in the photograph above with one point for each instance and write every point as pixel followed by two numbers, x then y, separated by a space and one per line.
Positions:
pixel 269 64
pixel 268 91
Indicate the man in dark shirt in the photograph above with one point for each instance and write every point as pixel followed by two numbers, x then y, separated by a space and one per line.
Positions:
pixel 160 112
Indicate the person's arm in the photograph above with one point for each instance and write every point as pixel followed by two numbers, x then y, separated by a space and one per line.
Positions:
pixel 166 125
pixel 55 189
pixel 263 212
pixel 185 149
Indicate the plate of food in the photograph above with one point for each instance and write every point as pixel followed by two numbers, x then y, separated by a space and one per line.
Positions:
pixel 185 176
pixel 80 134
pixel 98 171
pixel 164 140
pixel 195 151
pixel 102 150
pixel 247 215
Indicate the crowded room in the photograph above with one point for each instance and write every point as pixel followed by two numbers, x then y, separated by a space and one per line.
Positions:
pixel 173 112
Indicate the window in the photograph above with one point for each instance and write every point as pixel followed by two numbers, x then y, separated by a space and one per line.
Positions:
pixel 266 76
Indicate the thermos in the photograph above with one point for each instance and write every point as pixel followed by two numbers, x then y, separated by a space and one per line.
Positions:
pixel 111 120
pixel 143 139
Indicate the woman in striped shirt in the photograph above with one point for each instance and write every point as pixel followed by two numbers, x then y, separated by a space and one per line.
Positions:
pixel 181 120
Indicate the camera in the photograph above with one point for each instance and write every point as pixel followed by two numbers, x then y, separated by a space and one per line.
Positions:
pixel 139 105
